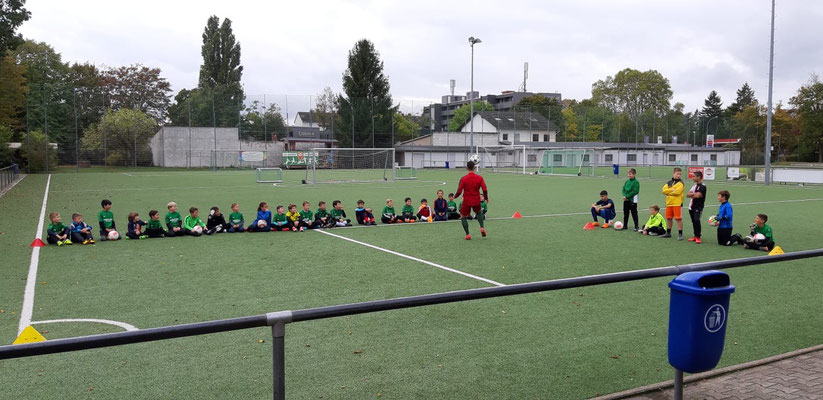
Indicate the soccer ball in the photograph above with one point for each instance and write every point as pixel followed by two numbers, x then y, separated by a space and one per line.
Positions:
pixel 759 237
pixel 261 224
pixel 197 229
pixel 618 225
pixel 113 235
pixel 713 221
pixel 475 158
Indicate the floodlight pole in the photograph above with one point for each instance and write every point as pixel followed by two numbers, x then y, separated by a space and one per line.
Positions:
pixel 768 150
pixel 472 41
pixel 707 129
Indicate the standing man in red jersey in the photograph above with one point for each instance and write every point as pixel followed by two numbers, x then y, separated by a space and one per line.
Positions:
pixel 470 185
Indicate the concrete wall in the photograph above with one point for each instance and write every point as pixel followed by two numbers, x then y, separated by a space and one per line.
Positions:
pixel 174 146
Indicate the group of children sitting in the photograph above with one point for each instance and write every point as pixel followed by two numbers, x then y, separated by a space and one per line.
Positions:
pixel 761 236
pixel 282 220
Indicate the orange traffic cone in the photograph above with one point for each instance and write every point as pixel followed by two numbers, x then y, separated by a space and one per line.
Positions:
pixel 589 226
pixel 517 215
pixel 37 243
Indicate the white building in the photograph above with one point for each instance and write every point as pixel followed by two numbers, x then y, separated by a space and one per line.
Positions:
pixel 305 119
pixel 513 127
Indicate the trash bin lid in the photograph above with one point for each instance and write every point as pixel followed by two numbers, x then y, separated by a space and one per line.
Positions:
pixel 707 283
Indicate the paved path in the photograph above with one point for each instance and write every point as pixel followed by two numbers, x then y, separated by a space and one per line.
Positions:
pixel 795 375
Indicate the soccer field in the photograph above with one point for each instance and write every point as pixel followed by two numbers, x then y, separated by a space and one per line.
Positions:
pixel 573 343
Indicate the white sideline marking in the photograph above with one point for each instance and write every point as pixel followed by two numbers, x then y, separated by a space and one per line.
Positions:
pixel 413 258
pixel 31 279
pixel 128 327
pixel 126 174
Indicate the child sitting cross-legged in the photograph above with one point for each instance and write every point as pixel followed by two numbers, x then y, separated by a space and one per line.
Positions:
pixel 294 217
pixel 235 219
pixel 322 218
pixel 338 215
pixel 306 217
pixel 174 222
pixel 280 222
pixel 193 225
pixel 57 233
pixel 407 212
pixel 80 231
pixel 389 216
pixel 363 215
pixel 154 228
pixel 761 236
pixel 656 225
pixel 451 205
pixel 441 207
pixel 424 212
pixel 215 222
pixel 135 227
pixel 263 221
pixel 603 208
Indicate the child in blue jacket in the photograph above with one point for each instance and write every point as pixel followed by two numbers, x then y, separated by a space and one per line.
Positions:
pixel 80 231
pixel 441 207
pixel 725 218
pixel 263 214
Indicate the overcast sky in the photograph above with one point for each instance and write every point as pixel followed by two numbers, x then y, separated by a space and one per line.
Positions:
pixel 299 47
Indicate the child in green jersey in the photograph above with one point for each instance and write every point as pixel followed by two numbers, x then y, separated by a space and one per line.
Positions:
pixel 280 222
pixel 154 228
pixel 193 221
pixel 483 205
pixel 761 236
pixel 235 219
pixel 451 206
pixel 407 212
pixel 57 233
pixel 174 222
pixel 106 219
pixel 306 217
pixel 338 215
pixel 656 225
pixel 389 216
pixel 322 218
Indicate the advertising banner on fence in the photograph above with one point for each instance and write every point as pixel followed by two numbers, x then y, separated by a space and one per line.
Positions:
pixel 708 172
pixel 301 158
pixel 252 156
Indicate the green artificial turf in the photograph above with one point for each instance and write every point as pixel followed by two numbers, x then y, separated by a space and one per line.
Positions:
pixel 572 343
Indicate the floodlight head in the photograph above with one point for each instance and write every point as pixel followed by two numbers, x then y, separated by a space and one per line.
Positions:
pixel 473 40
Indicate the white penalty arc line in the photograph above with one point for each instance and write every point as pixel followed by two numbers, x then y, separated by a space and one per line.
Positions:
pixel 128 327
pixel 480 278
pixel 31 279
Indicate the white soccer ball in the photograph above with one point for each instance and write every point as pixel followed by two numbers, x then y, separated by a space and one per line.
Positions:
pixel 113 235
pixel 475 158
pixel 618 225
pixel 759 236
pixel 261 224
pixel 197 229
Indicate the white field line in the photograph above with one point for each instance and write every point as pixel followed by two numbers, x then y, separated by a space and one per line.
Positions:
pixel 128 327
pixel 126 174
pixel 413 258
pixel 258 186
pixel 31 279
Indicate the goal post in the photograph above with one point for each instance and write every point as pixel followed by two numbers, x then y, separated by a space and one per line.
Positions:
pixel 342 165
pixel 269 175
pixel 568 162
pixel 249 159
pixel 511 159
pixel 405 173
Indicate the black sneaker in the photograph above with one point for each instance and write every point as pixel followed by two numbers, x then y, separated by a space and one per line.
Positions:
pixel 666 235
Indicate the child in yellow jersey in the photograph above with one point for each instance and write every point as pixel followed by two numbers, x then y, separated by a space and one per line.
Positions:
pixel 294 217
pixel 673 190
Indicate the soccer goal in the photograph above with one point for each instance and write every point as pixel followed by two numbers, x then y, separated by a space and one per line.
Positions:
pixel 335 165
pixel 222 159
pixel 566 162
pixel 405 173
pixel 511 159
pixel 269 175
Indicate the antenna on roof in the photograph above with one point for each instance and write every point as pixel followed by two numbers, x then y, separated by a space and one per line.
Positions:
pixel 451 86
pixel 525 76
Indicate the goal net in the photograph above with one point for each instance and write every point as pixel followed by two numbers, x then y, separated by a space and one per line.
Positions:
pixel 269 175
pixel 566 162
pixel 511 159
pixel 222 159
pixel 406 173
pixel 351 165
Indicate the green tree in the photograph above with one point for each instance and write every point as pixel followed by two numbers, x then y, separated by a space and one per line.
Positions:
pixel 745 97
pixel 570 125
pixel 139 87
pixel 12 15
pixel 367 105
pixel 809 104
pixel 713 106
pixel 261 123
pixel 88 99
pixel 128 133
pixel 325 109
pixel 12 93
pixel 221 55
pixel 633 92
pixel 33 152
pixel 461 114
pixel 548 107
pixel 5 152
pixel 750 124
pixel 404 127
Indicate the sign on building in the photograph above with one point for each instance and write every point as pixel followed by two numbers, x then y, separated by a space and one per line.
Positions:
pixel 295 158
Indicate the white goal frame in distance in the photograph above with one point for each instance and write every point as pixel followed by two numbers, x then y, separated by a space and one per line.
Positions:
pixel 485 158
pixel 258 175
pixel 403 167
pixel 589 152
pixel 311 173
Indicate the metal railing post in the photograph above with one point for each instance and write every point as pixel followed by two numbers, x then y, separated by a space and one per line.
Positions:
pixel 278 321
pixel 678 385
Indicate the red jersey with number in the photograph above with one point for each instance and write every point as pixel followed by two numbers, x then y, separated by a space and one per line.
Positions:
pixel 470 186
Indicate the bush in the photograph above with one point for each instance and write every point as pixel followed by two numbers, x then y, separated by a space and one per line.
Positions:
pixel 33 152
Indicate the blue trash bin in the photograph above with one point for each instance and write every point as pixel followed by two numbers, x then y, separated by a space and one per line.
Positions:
pixel 616 169
pixel 447 165
pixel 698 311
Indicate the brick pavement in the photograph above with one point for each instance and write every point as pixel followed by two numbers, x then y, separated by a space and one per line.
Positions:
pixel 795 375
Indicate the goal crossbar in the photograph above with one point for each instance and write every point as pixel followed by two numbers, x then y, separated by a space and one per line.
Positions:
pixel 341 165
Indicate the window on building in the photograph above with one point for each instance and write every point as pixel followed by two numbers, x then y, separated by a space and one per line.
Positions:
pixel 505 136
pixel 713 157
pixel 694 158
pixel 558 158
pixel 545 138
pixel 535 137
pixel 533 157
pixel 631 157
pixel 585 158
pixel 672 157
pixel 608 157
